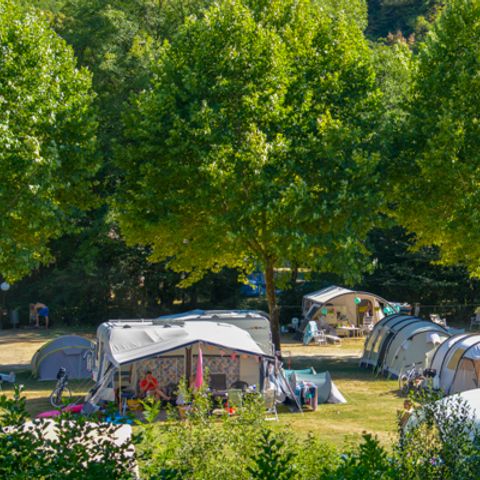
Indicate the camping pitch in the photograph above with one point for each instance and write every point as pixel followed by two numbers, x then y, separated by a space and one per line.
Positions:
pixel 399 341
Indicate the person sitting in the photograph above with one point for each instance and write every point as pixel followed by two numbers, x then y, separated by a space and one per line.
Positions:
pixel 149 386
pixel 38 310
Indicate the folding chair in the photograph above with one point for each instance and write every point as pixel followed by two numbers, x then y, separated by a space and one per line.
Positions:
pixel 270 405
pixel 475 322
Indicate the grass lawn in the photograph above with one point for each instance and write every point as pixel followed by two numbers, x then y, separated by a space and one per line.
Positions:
pixel 372 402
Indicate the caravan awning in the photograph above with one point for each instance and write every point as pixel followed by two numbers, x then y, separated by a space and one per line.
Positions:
pixel 130 342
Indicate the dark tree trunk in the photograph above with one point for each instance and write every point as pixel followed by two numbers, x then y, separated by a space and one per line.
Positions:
pixel 272 304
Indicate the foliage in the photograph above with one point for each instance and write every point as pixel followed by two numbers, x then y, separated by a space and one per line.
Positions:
pixel 27 451
pixel 403 272
pixel 47 132
pixel 271 461
pixel 437 174
pixel 443 444
pixel 369 460
pixel 409 17
pixel 254 144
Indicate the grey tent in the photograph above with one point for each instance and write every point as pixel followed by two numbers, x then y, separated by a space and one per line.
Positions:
pixel 68 351
pixel 327 391
pixel 399 341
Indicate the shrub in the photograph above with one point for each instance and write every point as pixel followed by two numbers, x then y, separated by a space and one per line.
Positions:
pixel 27 451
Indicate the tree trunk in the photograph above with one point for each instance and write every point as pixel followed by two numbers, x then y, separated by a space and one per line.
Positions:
pixel 272 304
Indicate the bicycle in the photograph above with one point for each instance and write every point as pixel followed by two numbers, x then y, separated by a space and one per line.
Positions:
pixel 412 379
pixel 61 393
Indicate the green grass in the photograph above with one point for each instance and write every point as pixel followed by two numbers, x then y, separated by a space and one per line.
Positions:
pixel 372 402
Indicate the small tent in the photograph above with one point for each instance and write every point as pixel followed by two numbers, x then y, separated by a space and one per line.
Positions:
pixel 339 306
pixel 399 341
pixel 327 391
pixel 457 364
pixel 69 351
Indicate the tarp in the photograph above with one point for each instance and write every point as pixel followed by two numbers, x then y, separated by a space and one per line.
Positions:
pixel 130 342
pixel 255 322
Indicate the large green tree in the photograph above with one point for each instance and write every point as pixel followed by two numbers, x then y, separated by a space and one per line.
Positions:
pixel 47 137
pixel 438 173
pixel 254 144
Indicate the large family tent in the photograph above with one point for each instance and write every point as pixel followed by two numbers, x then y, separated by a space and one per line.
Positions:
pixel 399 341
pixel 457 363
pixel 126 349
pixel 69 351
pixel 340 306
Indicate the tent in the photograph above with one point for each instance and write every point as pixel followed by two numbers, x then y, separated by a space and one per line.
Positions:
pixel 470 398
pixel 399 341
pixel 170 349
pixel 457 363
pixel 327 391
pixel 339 306
pixel 69 351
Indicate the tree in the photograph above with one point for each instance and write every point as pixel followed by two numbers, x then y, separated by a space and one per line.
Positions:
pixel 438 172
pixel 254 145
pixel 47 133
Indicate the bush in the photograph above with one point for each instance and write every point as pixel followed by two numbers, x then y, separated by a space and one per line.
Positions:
pixel 26 451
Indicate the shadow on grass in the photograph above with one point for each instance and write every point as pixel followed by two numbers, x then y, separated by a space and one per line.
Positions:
pixel 34 335
pixel 38 392
pixel 345 368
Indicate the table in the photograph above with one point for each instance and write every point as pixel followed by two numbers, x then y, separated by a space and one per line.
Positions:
pixel 351 331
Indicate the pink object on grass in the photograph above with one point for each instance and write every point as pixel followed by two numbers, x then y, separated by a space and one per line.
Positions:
pixel 49 414
pixel 56 413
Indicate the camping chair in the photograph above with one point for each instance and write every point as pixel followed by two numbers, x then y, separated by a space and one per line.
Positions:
pixel 313 333
pixel 270 404
pixel 475 322
pixel 367 325
pixel 235 397
pixel 435 318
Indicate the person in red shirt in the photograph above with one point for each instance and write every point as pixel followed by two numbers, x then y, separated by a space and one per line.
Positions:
pixel 149 386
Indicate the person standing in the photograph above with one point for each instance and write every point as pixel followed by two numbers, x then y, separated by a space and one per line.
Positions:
pixel 39 310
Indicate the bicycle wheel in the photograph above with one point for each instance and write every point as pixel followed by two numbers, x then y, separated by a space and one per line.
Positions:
pixel 59 396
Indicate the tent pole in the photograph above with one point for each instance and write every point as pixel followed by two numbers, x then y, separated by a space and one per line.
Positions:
pixel 120 390
pixel 188 365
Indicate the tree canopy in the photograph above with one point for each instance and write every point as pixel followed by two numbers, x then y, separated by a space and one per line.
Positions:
pixel 254 144
pixel 438 171
pixel 47 133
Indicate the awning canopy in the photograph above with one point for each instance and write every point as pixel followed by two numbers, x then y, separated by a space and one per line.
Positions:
pixel 130 342
pixel 328 294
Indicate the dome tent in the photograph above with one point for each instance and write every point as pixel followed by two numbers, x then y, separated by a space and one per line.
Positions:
pixel 399 340
pixel 340 305
pixel 457 364
pixel 68 351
